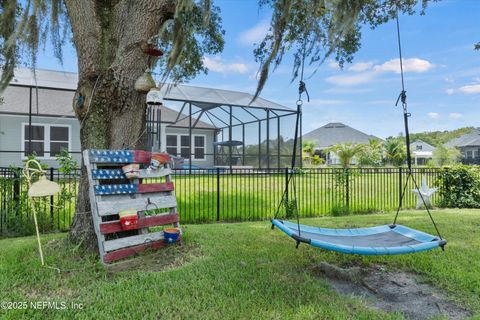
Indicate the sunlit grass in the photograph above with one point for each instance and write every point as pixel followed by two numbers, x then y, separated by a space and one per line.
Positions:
pixel 233 271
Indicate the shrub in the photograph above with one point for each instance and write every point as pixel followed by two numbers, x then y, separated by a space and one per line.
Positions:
pixel 459 186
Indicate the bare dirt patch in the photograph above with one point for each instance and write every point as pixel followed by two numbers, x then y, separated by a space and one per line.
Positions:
pixel 173 256
pixel 391 291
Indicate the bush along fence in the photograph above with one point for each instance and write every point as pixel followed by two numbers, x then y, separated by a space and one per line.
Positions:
pixel 252 194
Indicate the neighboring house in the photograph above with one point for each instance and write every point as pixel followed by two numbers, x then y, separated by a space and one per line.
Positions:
pixel 469 145
pixel 332 134
pixel 422 152
pixel 55 127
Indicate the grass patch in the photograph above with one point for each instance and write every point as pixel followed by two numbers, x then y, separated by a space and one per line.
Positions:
pixel 232 271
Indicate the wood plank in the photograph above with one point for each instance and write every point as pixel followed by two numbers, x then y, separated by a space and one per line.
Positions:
pixel 116 174
pixel 108 174
pixel 120 243
pixel 129 188
pixel 148 221
pixel 155 187
pixel 131 251
pixel 148 173
pixel 93 203
pixel 110 207
pixel 121 156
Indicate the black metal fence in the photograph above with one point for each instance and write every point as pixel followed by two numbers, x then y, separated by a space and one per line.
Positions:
pixel 210 195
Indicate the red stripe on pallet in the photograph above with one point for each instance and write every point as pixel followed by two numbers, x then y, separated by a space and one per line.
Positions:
pixel 141 156
pixel 128 252
pixel 150 221
pixel 155 187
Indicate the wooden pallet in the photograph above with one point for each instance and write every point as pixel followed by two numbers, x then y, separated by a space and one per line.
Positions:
pixel 111 192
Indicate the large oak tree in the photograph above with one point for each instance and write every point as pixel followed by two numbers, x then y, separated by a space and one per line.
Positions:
pixel 109 35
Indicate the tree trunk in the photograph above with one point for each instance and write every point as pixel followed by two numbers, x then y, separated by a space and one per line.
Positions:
pixel 108 36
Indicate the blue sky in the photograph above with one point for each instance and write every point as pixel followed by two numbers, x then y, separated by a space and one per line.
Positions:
pixel 442 70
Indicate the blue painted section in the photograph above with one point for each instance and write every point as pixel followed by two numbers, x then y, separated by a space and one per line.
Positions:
pixel 428 241
pixel 414 234
pixel 116 189
pixel 99 174
pixel 338 232
pixel 111 156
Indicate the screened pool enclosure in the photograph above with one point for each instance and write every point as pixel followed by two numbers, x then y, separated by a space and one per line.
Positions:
pixel 207 128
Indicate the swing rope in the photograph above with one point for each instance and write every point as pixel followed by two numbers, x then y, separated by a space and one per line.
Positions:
pixel 402 97
pixel 302 88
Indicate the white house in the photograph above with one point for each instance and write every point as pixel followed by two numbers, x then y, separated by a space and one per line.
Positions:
pixel 422 152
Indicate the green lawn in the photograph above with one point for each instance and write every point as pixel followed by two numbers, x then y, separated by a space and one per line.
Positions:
pixel 232 271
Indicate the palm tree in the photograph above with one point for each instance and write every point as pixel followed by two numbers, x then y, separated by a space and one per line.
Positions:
pixel 346 152
pixel 395 152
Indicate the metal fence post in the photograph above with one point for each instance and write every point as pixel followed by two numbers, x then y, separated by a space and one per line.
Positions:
pixel 218 194
pixel 286 185
pixel 400 187
pixel 51 199
pixel 16 184
pixel 347 190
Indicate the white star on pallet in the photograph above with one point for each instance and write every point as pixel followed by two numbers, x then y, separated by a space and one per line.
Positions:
pixel 426 192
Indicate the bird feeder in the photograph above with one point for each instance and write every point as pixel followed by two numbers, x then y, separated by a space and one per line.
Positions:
pixel 145 82
pixel 154 97
pixel 41 188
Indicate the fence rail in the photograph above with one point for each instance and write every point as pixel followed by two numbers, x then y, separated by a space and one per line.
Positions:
pixel 210 195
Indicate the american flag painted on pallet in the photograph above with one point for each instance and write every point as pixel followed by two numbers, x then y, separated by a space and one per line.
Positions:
pixel 107 199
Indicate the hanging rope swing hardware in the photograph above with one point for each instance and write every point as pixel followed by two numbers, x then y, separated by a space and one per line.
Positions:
pixel 403 98
pixel 386 239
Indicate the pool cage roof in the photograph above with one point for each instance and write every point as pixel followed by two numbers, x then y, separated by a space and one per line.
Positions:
pixel 207 99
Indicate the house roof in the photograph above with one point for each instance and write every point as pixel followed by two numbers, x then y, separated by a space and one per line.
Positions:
pixel 336 133
pixel 58 103
pixel 471 139
pixel 46 78
pixel 170 116
pixel 425 146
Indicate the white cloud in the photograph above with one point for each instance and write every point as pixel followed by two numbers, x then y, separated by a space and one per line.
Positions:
pixel 216 64
pixel 255 34
pixel 332 64
pixel 455 115
pixel 361 66
pixel 434 115
pixel 409 65
pixel 470 89
pixel 351 80
pixel 450 91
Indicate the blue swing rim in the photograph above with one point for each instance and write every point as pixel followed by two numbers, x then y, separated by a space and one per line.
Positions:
pixel 427 241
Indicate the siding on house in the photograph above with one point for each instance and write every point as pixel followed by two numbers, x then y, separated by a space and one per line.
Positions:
pixel 209 136
pixel 469 145
pixel 11 135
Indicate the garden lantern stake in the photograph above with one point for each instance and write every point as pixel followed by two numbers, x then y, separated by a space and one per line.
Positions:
pixel 41 188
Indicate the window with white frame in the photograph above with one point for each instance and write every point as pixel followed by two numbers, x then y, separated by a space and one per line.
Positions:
pixel 47 140
pixel 179 145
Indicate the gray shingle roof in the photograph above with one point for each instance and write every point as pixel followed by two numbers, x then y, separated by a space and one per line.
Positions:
pixel 336 133
pixel 58 103
pixel 425 146
pixel 170 115
pixel 467 140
